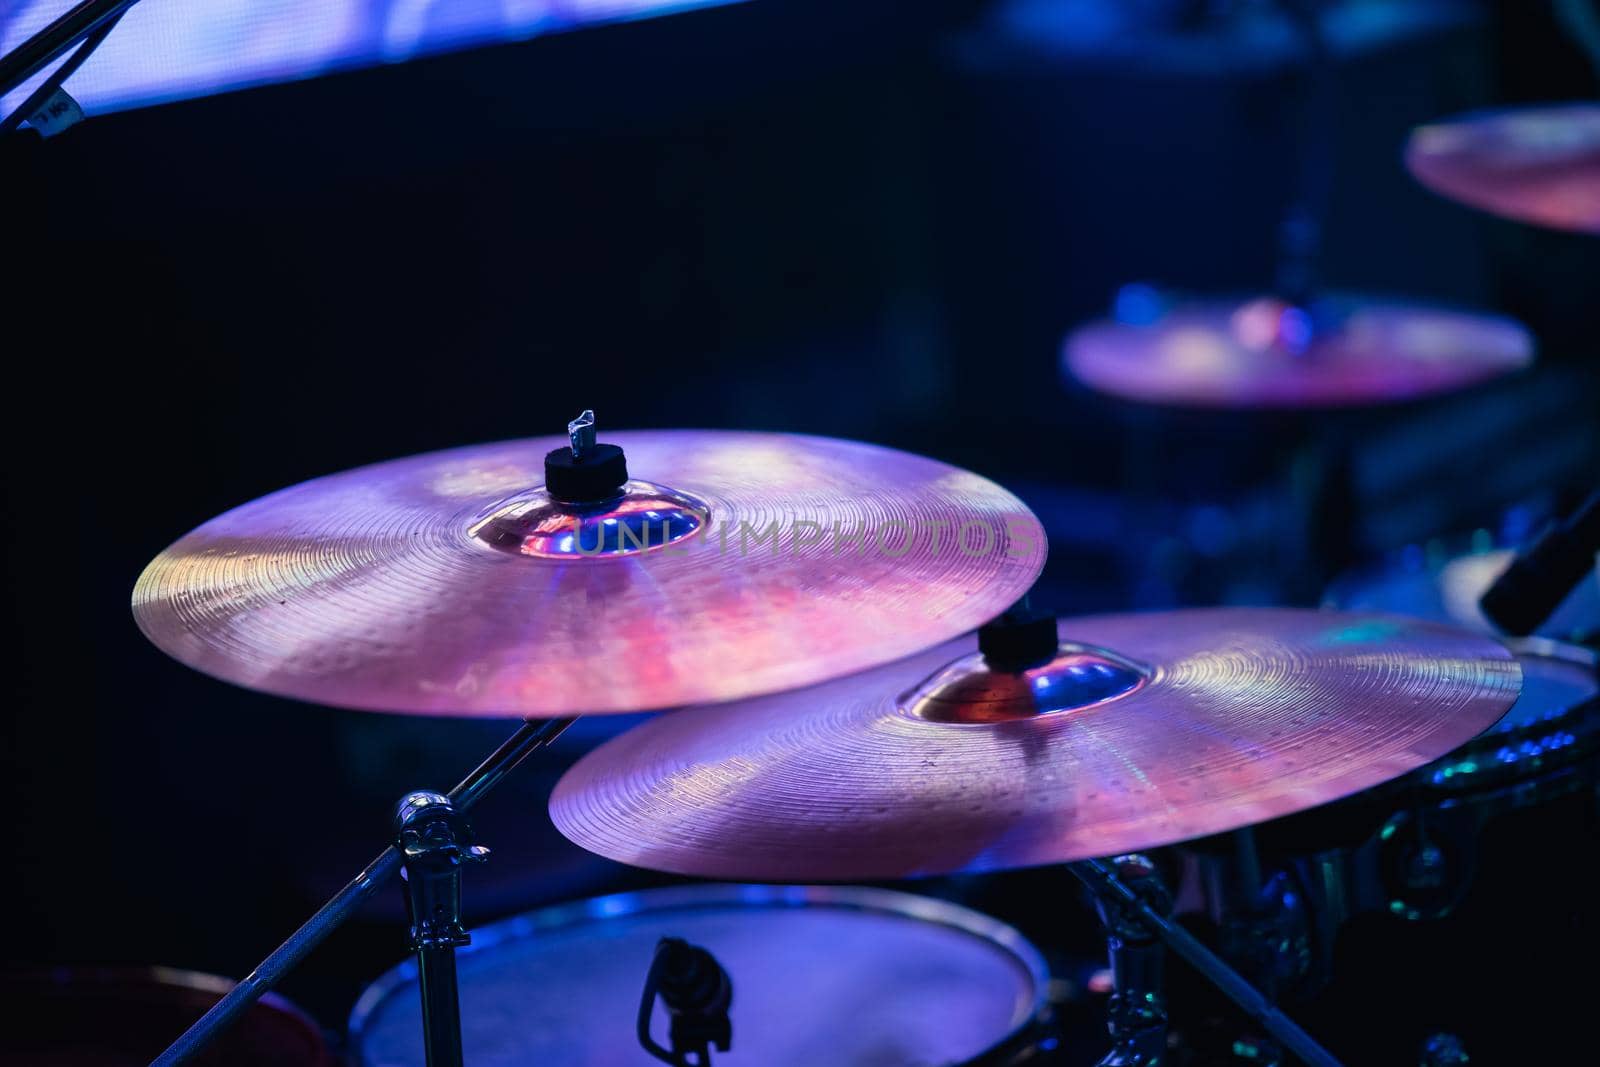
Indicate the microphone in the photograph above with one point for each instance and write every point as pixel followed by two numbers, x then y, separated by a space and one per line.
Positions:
pixel 1542 575
pixel 697 993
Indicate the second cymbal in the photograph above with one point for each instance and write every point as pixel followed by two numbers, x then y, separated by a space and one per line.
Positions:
pixel 1144 731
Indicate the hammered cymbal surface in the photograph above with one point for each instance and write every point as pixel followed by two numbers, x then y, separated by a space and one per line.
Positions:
pixel 367 589
pixel 1538 164
pixel 1247 714
pixel 1228 354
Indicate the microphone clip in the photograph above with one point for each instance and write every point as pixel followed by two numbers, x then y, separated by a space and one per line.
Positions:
pixel 697 993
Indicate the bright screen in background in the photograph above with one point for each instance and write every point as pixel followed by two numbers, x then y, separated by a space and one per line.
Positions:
pixel 171 49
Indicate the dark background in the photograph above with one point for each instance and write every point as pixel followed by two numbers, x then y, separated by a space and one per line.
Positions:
pixel 864 219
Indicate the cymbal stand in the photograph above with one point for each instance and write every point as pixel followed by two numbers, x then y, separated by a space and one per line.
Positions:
pixel 1320 479
pixel 1262 924
pixel 1301 230
pixel 432 841
pixel 1138 1016
pixel 1135 905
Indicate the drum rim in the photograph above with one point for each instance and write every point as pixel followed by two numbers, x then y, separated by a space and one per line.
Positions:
pixel 178 979
pixel 1344 590
pixel 1539 647
pixel 758 895
pixel 1535 647
pixel 1571 718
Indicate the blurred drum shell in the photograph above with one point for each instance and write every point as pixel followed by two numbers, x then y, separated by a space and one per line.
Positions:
pixel 125 1016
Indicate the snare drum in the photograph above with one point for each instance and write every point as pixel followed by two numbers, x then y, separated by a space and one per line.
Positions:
pixel 837 975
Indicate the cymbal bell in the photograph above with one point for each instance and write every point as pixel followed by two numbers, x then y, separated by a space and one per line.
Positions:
pixel 453 583
pixel 1145 730
pixel 1264 353
pixel 1538 165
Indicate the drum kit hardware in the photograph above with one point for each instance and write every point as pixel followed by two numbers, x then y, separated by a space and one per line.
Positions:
pixel 1302 356
pixel 844 732
pixel 1302 346
pixel 473 582
pixel 853 686
pixel 820 974
pixel 697 992
pixel 1445 578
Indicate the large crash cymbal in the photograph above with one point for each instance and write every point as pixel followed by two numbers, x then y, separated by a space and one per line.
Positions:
pixel 1267 354
pixel 452 583
pixel 1531 164
pixel 1144 731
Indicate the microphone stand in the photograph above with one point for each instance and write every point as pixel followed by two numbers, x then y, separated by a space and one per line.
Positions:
pixel 432 841
pixel 40 50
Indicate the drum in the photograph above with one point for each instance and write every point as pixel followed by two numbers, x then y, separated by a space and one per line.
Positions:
pixel 1411 848
pixel 1443 580
pixel 842 976
pixel 1405 904
pixel 1426 853
pixel 1422 896
pixel 125 1017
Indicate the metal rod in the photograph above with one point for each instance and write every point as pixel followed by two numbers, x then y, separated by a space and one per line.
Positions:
pixel 441 1006
pixel 34 54
pixel 283 959
pixel 1248 866
pixel 529 737
pixel 1301 231
pixel 1100 878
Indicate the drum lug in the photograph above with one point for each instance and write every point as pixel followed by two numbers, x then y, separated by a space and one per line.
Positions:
pixel 1427 860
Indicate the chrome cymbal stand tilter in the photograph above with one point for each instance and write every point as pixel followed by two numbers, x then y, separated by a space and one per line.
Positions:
pixel 1138 1011
pixel 1262 924
pixel 1136 908
pixel 432 841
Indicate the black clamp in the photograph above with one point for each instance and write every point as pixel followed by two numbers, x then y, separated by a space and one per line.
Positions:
pixel 1137 1016
pixel 434 841
pixel 697 993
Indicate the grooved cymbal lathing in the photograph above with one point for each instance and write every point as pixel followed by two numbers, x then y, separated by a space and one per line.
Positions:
pixel 1268 354
pixel 1146 730
pixel 1539 165
pixel 733 564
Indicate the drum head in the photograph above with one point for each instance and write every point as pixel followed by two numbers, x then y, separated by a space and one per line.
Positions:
pixel 1443 582
pixel 821 975
pixel 1556 680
